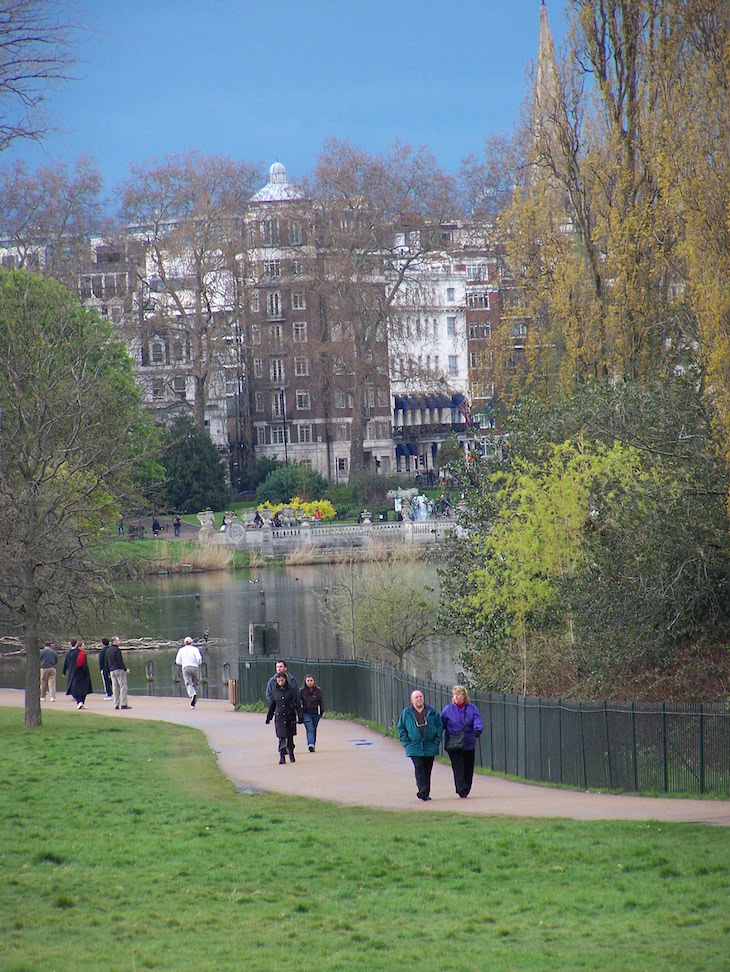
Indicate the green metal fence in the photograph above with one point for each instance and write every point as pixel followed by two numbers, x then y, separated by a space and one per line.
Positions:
pixel 616 745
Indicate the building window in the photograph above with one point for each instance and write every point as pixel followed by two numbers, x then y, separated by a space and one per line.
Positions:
pixel 259 398
pixel 179 386
pixel 383 430
pixel 255 334
pixel 305 433
pixel 301 367
pixel 305 463
pixel 296 233
pixel 453 365
pixel 276 370
pixel 342 466
pixel 480 332
pixel 158 389
pixel 258 367
pixel 255 302
pixel 158 353
pixel 478 300
pixel 297 268
pixel 277 435
pixel 277 404
pixel 303 400
pixel 270 232
pixel 273 303
pixel 383 401
pixel 275 336
pixel 261 435
pixel 299 301
pixel 299 331
pixel 435 362
pixel 342 432
pixel 519 330
pixel 339 398
pixel 450 295
pixel 451 327
pixel 482 390
pixel 272 268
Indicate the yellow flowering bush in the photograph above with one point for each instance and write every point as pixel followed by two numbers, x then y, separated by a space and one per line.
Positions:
pixel 301 508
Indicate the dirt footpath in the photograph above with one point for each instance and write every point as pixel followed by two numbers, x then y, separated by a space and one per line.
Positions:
pixel 355 766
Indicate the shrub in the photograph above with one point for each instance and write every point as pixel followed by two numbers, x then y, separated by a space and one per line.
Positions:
pixel 288 481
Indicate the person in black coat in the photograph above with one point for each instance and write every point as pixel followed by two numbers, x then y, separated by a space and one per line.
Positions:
pixel 286 711
pixel 106 678
pixel 76 669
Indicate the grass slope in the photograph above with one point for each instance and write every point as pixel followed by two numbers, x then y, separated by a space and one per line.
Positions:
pixel 122 847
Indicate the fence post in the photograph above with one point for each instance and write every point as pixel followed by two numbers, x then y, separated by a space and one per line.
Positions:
pixel 583 746
pixel 664 747
pixel 702 747
pixel 633 741
pixel 608 744
pixel 560 739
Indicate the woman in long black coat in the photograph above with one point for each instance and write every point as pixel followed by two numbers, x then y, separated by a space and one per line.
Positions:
pixel 76 669
pixel 286 711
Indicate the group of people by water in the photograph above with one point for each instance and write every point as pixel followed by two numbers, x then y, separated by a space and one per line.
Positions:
pixel 112 670
pixel 421 728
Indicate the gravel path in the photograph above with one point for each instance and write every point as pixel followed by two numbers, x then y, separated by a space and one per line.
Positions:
pixel 355 766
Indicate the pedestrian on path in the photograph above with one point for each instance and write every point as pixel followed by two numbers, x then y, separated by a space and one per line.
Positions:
pixel 286 711
pixel 106 678
pixel 420 730
pixel 190 660
pixel 280 667
pixel 118 672
pixel 49 660
pixel 312 709
pixel 76 669
pixel 462 727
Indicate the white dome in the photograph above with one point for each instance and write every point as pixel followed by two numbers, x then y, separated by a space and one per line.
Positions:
pixel 277 189
pixel 277 173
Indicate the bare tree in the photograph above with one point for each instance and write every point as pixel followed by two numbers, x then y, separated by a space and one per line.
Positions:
pixel 35 52
pixel 187 213
pixel 383 611
pixel 48 217
pixel 378 217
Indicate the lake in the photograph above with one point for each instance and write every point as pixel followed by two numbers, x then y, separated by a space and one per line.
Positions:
pixel 224 604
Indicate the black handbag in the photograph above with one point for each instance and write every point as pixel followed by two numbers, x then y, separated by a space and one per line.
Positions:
pixel 454 742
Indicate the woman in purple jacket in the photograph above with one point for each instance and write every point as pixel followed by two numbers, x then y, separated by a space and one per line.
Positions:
pixel 461 716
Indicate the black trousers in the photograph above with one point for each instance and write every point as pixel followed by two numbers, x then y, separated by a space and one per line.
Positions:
pixel 423 766
pixel 286 744
pixel 462 764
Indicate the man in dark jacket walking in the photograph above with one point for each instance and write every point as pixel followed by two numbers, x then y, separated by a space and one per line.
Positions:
pixel 118 672
pixel 104 669
pixel 420 730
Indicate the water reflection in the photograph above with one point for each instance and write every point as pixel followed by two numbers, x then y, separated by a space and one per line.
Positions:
pixel 223 605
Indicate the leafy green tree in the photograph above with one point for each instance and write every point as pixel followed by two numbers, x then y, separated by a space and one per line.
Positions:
pixel 75 446
pixel 288 481
pixel 195 474
pixel 256 472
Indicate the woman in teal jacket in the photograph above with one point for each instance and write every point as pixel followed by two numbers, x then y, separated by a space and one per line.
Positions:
pixel 420 729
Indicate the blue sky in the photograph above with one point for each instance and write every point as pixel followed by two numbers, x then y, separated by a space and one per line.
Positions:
pixel 266 81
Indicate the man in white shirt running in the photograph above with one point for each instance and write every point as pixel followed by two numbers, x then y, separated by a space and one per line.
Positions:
pixel 190 660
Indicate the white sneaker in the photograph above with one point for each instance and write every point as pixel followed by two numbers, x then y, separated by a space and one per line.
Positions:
pixel 53 698
pixel 108 698
pixel 79 705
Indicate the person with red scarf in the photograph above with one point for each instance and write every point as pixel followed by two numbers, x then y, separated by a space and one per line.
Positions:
pixel 76 669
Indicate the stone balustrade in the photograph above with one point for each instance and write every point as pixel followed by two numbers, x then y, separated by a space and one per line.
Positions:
pixel 279 541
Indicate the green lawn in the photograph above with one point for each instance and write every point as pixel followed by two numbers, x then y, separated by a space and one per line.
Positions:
pixel 122 847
